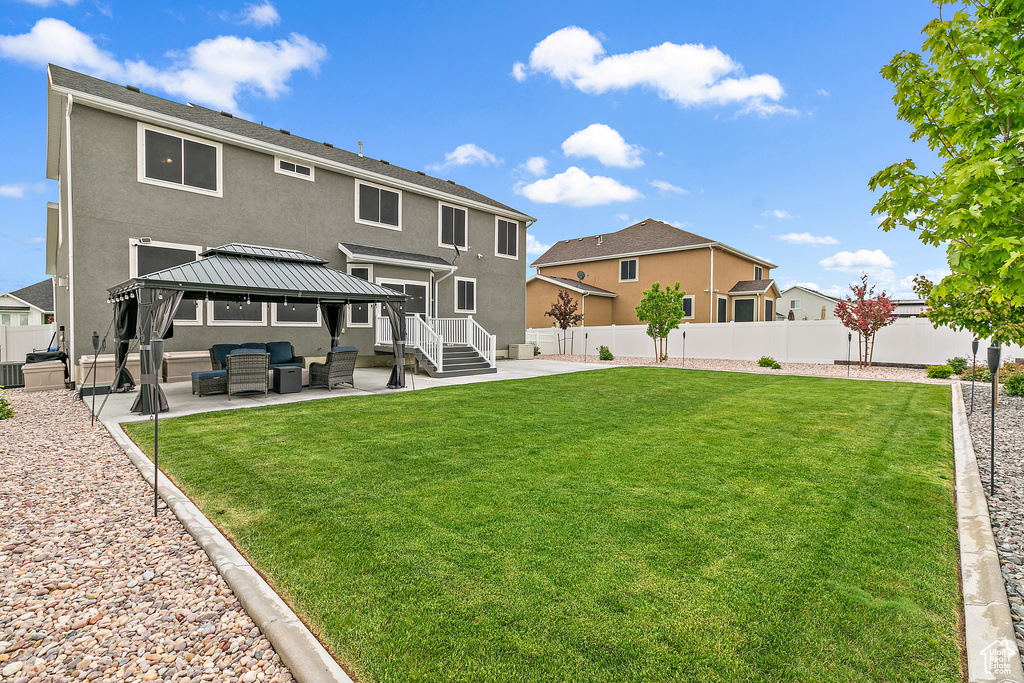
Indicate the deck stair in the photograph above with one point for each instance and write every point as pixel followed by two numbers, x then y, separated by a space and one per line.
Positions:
pixel 459 361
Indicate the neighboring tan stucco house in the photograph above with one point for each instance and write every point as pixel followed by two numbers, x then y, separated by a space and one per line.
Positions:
pixel 722 284
pixel 797 303
pixel 32 305
pixel 147 183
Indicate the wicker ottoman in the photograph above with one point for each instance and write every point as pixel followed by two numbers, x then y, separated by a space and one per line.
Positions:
pixel 210 382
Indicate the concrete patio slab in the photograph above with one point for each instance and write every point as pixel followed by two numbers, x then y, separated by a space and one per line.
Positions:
pixel 368 381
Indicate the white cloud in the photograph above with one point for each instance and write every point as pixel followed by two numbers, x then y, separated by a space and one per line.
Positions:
pixel 535 247
pixel 805 285
pixel 905 287
pixel 535 166
pixel 682 225
pixel 857 261
pixel 781 214
pixel 762 109
pixel 31 240
pixel 519 71
pixel 624 217
pixel 464 155
pixel 836 291
pixel 668 187
pixel 806 238
pixel 213 72
pixel 19 190
pixel 261 16
pixel 605 144
pixel 687 74
pixel 575 187
pixel 823 92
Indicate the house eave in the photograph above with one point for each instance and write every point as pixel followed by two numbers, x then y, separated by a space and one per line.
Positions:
pixel 584 292
pixel 355 257
pixel 707 245
pixel 218 135
pixel 29 304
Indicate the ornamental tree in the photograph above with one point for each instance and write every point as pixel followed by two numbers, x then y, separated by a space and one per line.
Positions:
pixel 662 310
pixel 964 96
pixel 865 314
pixel 563 310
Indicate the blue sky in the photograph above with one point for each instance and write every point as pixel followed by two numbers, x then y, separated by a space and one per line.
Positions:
pixel 756 125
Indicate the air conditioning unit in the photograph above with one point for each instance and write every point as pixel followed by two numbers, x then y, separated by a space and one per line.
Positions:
pixel 10 375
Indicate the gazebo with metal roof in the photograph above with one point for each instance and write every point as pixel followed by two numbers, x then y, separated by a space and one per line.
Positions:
pixel 144 306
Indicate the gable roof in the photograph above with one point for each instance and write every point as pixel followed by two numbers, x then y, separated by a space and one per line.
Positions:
pixel 811 291
pixel 649 236
pixel 224 127
pixel 574 285
pixel 39 295
pixel 753 287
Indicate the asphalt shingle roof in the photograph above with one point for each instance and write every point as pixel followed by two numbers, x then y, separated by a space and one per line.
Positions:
pixel 72 80
pixel 647 235
pixel 366 251
pixel 39 295
pixel 576 284
pixel 744 286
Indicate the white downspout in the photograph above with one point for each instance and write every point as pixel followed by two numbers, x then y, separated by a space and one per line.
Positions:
pixel 71 243
pixel 437 287
pixel 711 286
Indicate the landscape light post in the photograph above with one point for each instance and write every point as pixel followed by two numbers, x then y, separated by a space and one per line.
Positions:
pixel 586 335
pixel 684 348
pixel 849 347
pixel 974 366
pixel 993 368
pixel 95 355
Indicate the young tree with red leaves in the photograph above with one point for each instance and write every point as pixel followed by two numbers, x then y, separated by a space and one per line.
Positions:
pixel 563 310
pixel 865 314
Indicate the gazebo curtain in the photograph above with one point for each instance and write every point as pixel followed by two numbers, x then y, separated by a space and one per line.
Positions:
pixel 334 317
pixel 125 316
pixel 156 316
pixel 396 316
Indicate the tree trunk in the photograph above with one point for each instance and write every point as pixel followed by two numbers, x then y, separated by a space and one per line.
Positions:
pixel 860 361
pixel 871 358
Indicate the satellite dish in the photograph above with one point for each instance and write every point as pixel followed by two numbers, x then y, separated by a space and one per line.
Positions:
pixel 580 275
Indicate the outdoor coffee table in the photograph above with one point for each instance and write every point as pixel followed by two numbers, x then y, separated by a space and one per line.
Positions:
pixel 286 380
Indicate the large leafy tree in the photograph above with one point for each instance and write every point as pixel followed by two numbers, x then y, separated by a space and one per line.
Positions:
pixel 662 310
pixel 964 96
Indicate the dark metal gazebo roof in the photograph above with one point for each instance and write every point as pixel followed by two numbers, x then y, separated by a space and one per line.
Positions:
pixel 235 271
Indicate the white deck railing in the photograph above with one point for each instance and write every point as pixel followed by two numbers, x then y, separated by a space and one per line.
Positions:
pixel 431 335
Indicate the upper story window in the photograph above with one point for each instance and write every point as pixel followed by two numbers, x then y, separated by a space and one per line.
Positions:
pixel 506 239
pixel 452 226
pixel 627 270
pixel 758 272
pixel 175 160
pixel 378 206
pixel 794 303
pixel 148 257
pixel 285 167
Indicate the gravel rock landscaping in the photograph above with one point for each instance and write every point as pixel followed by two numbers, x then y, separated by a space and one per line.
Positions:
pixel 1006 507
pixel 92 587
pixel 803 369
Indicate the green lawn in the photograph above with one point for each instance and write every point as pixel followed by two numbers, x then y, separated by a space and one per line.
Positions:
pixel 629 524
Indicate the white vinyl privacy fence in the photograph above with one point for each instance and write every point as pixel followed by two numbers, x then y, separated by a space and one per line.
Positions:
pixel 908 340
pixel 16 341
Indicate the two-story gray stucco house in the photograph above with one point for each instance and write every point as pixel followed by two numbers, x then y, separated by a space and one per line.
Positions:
pixel 147 183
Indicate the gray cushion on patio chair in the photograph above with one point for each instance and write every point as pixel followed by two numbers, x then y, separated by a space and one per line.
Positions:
pixel 336 371
pixel 248 371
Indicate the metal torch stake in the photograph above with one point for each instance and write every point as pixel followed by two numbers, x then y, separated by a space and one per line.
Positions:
pixel 849 347
pixel 95 356
pixel 974 369
pixel 993 368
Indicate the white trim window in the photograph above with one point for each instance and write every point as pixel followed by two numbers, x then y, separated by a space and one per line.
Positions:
pixel 758 273
pixel 171 159
pixel 236 314
pixel 506 238
pixel 628 270
pixel 359 315
pixel 794 304
pixel 379 206
pixel 452 228
pixel 146 256
pixel 294 169
pixel 752 311
pixel 688 307
pixel 295 314
pixel 416 291
pixel 465 295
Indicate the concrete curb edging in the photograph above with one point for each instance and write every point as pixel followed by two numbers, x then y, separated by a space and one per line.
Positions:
pixel 986 610
pixel 306 659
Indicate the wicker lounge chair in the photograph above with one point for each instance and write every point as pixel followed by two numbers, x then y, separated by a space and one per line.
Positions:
pixel 336 371
pixel 248 371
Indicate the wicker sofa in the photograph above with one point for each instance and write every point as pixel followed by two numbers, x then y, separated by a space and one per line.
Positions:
pixel 338 369
pixel 215 381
